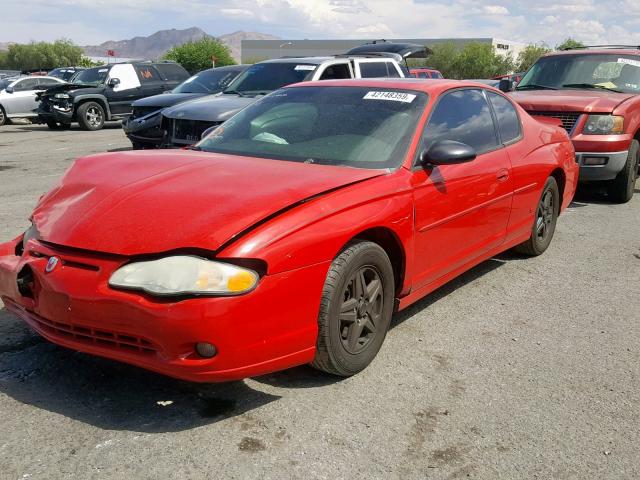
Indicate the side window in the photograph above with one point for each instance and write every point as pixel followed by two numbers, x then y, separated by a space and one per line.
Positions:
pixel 392 71
pixel 373 69
pixel 336 72
pixel 47 82
pixel 147 74
pixel 422 75
pixel 24 85
pixel 508 120
pixel 463 116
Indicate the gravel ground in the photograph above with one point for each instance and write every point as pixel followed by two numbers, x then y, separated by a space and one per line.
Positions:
pixel 521 368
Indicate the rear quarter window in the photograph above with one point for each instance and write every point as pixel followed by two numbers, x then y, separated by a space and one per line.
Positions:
pixel 508 120
pixel 172 72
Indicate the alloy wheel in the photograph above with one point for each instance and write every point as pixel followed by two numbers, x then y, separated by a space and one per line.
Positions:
pixel 361 309
pixel 545 215
pixel 94 116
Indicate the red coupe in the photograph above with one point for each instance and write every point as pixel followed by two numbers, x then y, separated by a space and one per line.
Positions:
pixel 292 233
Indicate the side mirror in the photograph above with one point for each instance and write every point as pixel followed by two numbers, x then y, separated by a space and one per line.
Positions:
pixel 9 90
pixel 505 85
pixel 114 82
pixel 447 152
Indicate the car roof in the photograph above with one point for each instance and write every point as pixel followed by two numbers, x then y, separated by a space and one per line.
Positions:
pixel 313 60
pixel 596 51
pixel 433 86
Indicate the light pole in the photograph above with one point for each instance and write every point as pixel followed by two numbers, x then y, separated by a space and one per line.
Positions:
pixel 284 45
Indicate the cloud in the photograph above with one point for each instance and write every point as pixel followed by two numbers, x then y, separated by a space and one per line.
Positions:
pixel 495 10
pixel 549 21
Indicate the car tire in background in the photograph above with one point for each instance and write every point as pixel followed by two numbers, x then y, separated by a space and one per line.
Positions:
pixel 544 225
pixel 90 116
pixel 621 188
pixel 355 309
pixel 3 116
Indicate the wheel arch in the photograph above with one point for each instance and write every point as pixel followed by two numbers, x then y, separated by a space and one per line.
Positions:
pixel 80 99
pixel 561 180
pixel 391 244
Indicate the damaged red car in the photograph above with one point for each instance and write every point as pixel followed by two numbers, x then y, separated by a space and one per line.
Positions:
pixel 292 233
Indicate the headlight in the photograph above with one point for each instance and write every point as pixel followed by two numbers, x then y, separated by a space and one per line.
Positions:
pixel 62 96
pixel 604 125
pixel 185 275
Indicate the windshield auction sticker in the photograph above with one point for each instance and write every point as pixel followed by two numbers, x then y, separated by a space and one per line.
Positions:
pixel 391 96
pixel 628 61
pixel 305 67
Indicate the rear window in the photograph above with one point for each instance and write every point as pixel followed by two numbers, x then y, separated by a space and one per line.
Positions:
pixel 172 72
pixel 378 70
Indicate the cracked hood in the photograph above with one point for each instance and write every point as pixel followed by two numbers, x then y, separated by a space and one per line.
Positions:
pixel 587 101
pixel 210 108
pixel 131 203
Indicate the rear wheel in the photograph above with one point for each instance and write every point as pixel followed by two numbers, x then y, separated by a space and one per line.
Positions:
pixel 355 310
pixel 544 225
pixel 90 116
pixel 3 116
pixel 621 188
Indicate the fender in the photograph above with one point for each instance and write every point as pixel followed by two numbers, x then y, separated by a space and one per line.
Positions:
pixel 94 96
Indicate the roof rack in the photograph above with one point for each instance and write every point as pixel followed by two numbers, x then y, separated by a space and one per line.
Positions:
pixel 585 47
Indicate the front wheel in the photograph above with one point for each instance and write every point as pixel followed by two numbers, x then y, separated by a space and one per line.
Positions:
pixel 355 309
pixel 90 116
pixel 621 189
pixel 544 225
pixel 3 116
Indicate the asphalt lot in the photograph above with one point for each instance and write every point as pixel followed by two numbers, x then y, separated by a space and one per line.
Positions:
pixel 520 369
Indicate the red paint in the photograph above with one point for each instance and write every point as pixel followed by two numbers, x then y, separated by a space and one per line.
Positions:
pixel 110 208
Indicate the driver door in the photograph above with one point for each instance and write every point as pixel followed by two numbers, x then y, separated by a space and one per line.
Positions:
pixel 23 98
pixel 461 211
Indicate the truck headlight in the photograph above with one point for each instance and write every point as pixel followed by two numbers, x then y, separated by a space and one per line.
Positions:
pixel 185 275
pixel 62 96
pixel 604 125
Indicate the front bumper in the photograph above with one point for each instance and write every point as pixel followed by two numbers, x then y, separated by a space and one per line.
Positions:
pixel 54 114
pixel 272 328
pixel 613 163
pixel 146 130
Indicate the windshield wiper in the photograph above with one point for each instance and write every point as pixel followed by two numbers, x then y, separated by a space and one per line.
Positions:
pixel 590 85
pixel 193 147
pixel 235 92
pixel 535 86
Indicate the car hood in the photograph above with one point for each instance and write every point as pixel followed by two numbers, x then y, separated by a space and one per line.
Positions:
pixel 166 99
pixel 67 87
pixel 570 100
pixel 131 203
pixel 210 108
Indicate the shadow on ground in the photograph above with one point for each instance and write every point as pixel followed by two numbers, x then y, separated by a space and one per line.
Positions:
pixel 34 127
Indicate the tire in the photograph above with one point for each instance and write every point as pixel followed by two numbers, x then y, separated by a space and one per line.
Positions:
pixel 544 225
pixel 621 188
pixel 3 116
pixel 90 116
pixel 348 342
pixel 137 146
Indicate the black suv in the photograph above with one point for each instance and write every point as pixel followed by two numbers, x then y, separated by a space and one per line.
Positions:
pixel 99 94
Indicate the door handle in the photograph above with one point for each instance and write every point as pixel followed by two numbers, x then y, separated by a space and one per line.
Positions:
pixel 503 175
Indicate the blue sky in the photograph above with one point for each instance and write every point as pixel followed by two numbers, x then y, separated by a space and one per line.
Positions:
pixel 550 21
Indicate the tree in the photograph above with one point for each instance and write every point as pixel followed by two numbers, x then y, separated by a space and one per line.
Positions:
pixel 473 60
pixel 529 55
pixel 196 56
pixel 569 43
pixel 43 55
pixel 86 62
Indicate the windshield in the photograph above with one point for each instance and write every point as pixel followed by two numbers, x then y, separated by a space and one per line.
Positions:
pixel 91 76
pixel 62 73
pixel 208 81
pixel 351 126
pixel 590 71
pixel 267 77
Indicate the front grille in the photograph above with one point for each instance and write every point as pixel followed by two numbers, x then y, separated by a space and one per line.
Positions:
pixel 87 335
pixel 190 130
pixel 568 119
pixel 142 111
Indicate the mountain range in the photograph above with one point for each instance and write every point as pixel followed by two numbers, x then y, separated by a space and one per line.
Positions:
pixel 157 44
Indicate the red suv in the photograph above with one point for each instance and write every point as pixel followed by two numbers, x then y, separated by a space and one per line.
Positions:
pixel 595 93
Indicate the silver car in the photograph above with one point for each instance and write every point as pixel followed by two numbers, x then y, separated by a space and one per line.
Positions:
pixel 18 98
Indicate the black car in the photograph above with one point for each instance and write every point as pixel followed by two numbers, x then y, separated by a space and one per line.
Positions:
pixel 98 94
pixel 65 73
pixel 142 127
